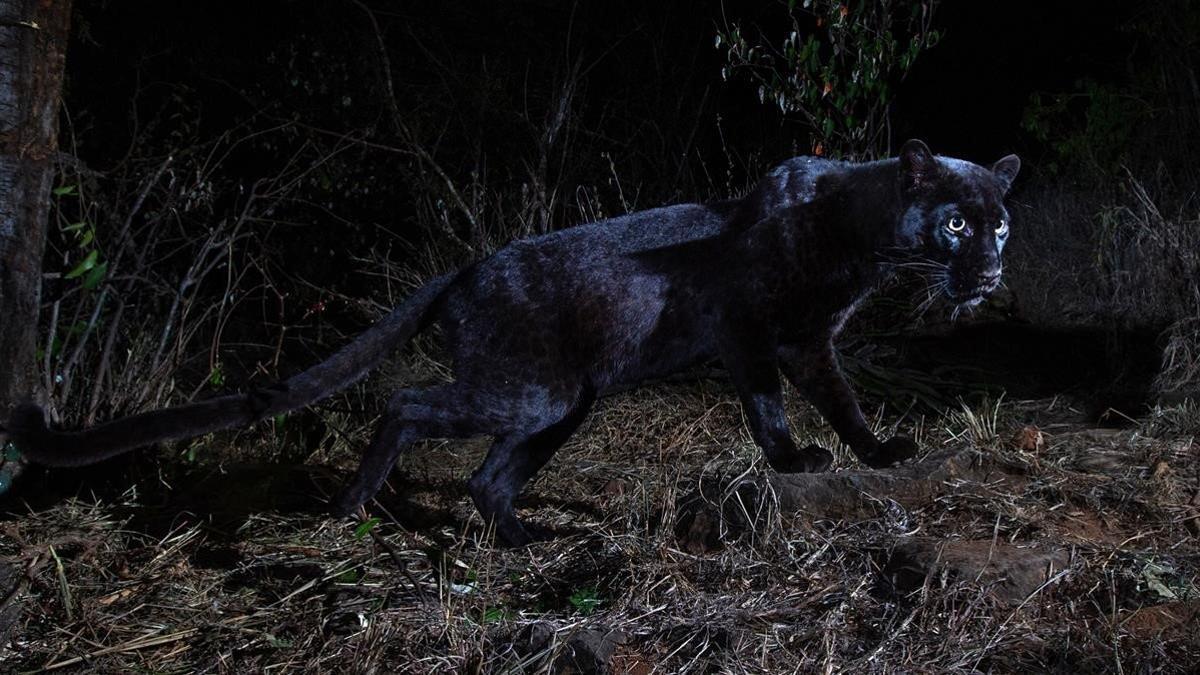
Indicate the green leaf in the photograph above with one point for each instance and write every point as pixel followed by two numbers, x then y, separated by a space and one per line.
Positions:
pixel 278 643
pixel 493 615
pixel 64 190
pixel 95 276
pixel 88 263
pixel 586 600
pixel 88 235
pixel 365 527
pixel 74 226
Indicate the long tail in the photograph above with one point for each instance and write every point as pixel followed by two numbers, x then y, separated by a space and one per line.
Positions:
pixel 28 432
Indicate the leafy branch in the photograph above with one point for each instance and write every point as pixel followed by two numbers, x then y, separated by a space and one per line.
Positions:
pixel 837 69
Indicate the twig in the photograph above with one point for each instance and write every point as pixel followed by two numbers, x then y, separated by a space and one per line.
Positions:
pixel 391 550
pixel 386 65
pixel 102 367
pixel 9 22
pixel 133 645
pixel 63 587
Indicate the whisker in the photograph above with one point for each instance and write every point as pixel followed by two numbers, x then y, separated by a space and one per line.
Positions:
pixel 933 292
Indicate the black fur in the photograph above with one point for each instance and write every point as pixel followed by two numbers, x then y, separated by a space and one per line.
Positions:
pixel 541 328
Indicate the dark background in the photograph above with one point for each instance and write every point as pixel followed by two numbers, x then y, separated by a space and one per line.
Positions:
pixel 507 119
pixel 647 64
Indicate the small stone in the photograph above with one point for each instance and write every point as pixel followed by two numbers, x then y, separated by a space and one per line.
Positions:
pixel 612 489
pixel 1193 523
pixel 582 651
pixel 1028 439
pixel 1159 621
pixel 1010 573
pixel 699 530
pixel 589 651
pixel 1161 470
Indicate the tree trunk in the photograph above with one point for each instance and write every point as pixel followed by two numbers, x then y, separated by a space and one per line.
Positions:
pixel 33 43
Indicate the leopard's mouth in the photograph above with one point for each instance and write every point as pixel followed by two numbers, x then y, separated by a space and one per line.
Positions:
pixel 972 296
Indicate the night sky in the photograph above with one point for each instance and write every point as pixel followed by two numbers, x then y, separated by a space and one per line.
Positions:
pixel 642 64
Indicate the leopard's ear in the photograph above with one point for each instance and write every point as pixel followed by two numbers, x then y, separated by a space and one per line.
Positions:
pixel 1006 170
pixel 918 167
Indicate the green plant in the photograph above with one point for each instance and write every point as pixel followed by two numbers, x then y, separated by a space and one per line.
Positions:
pixel 350 576
pixel 494 615
pixel 585 600
pixel 837 68
pixel 1088 130
pixel 1161 577
pixel 89 267
pixel 364 528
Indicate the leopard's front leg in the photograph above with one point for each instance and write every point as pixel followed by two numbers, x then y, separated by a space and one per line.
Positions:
pixel 750 357
pixel 817 373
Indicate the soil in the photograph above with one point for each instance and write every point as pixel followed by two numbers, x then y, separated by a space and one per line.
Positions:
pixel 1029 539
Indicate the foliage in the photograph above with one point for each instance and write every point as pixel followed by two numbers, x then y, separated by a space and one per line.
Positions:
pixel 837 69
pixel 161 256
pixel 585 600
pixel 1089 130
pixel 1140 116
pixel 364 528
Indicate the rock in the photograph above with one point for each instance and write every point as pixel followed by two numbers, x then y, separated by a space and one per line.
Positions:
pixel 857 493
pixel 1028 439
pixel 1161 470
pixel 1010 573
pixel 1107 462
pixel 586 651
pixel 1193 523
pixel 698 528
pixel 716 505
pixel 534 638
pixel 1167 620
pixel 613 489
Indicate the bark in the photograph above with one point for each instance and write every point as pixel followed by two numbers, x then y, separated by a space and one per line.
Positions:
pixel 33 43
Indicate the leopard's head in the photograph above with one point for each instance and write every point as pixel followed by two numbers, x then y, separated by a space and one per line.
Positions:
pixel 953 223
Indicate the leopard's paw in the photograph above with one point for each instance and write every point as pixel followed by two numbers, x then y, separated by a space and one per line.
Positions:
pixel 893 451
pixel 812 459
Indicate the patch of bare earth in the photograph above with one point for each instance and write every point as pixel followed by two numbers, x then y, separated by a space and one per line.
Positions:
pixel 1019 543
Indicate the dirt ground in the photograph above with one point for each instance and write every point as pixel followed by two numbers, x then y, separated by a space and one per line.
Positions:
pixel 1024 540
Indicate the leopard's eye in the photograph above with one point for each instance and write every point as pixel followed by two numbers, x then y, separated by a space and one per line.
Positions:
pixel 956 224
pixel 1002 227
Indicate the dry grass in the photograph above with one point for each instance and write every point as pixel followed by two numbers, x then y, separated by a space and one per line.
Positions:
pixel 1121 252
pixel 177 584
